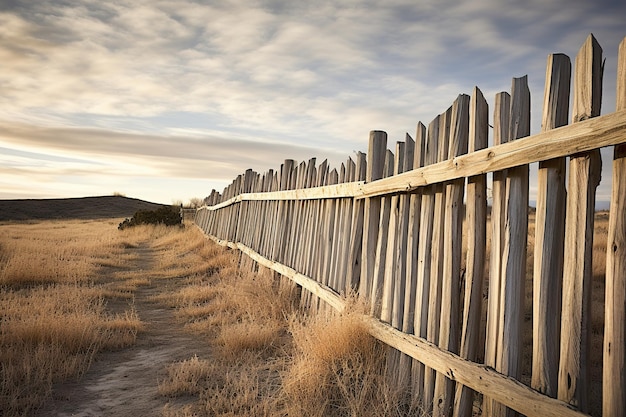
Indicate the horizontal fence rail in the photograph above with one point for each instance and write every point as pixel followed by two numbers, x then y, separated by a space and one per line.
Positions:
pixel 445 276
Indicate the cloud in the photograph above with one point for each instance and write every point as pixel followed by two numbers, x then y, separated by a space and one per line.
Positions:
pixel 236 85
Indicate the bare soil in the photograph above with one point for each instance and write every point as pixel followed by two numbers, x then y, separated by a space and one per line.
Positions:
pixel 125 382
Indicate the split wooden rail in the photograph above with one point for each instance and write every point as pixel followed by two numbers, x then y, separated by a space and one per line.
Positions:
pixel 392 229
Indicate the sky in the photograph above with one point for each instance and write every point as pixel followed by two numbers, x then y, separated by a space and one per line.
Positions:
pixel 165 100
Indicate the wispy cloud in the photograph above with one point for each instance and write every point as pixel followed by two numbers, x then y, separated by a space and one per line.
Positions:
pixel 207 89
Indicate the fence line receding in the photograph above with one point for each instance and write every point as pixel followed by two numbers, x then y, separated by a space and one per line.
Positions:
pixel 444 274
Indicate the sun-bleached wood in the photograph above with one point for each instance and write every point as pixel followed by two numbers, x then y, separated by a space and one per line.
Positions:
pixel 614 368
pixel 476 219
pixel 515 239
pixel 375 165
pixel 356 239
pixel 427 213
pixel 415 204
pixel 449 334
pixel 387 273
pixel 400 362
pixel 436 262
pixel 381 244
pixel 501 117
pixel 550 235
pixel 584 177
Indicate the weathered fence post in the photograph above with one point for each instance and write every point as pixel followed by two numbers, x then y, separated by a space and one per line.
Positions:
pixel 356 240
pixel 436 258
pixel 415 204
pixel 501 117
pixel 422 288
pixel 383 236
pixel 584 177
pixel 476 220
pixel 614 368
pixel 452 253
pixel 375 165
pixel 550 235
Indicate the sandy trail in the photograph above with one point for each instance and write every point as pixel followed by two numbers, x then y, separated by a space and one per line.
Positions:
pixel 125 382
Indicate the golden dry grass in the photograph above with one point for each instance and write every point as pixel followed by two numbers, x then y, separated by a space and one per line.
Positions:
pixel 54 315
pixel 266 361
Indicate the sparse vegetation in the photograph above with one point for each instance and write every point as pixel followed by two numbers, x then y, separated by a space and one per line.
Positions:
pixel 166 215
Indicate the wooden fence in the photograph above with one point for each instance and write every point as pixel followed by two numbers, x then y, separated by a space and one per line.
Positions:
pixel 408 232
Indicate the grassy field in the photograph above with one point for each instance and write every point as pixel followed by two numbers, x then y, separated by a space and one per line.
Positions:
pixel 67 291
pixel 53 307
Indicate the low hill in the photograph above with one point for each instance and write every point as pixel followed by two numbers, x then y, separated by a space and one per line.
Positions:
pixel 73 208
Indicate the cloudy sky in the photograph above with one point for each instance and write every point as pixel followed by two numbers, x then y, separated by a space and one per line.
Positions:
pixel 165 100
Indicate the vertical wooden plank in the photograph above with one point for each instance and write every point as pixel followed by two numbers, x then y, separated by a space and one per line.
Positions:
pixel 403 374
pixel 381 244
pixel 329 230
pixel 318 273
pixel 501 118
pixel 614 368
pixel 356 239
pixel 550 235
pixel 436 267
pixel 345 234
pixel 283 213
pixel 402 240
pixel 584 177
pixel 452 252
pixel 415 203
pixel 375 165
pixel 515 240
pixel 388 263
pixel 476 218
pixel 410 294
pixel 424 257
pixel 310 224
pixel 338 238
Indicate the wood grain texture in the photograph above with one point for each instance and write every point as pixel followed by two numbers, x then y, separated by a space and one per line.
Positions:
pixel 584 177
pixel 501 117
pixel 410 296
pixel 356 238
pixel 550 235
pixel 424 255
pixel 515 239
pixel 375 165
pixel 436 262
pixel 449 333
pixel 381 244
pixel 614 367
pixel 476 219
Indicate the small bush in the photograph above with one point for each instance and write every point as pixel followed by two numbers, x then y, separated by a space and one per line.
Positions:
pixel 166 215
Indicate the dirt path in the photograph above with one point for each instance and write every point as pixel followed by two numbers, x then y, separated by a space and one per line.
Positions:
pixel 125 382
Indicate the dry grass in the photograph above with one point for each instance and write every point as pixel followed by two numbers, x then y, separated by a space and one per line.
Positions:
pixel 266 361
pixel 54 315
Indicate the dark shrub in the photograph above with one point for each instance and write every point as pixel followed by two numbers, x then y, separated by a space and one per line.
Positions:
pixel 167 215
